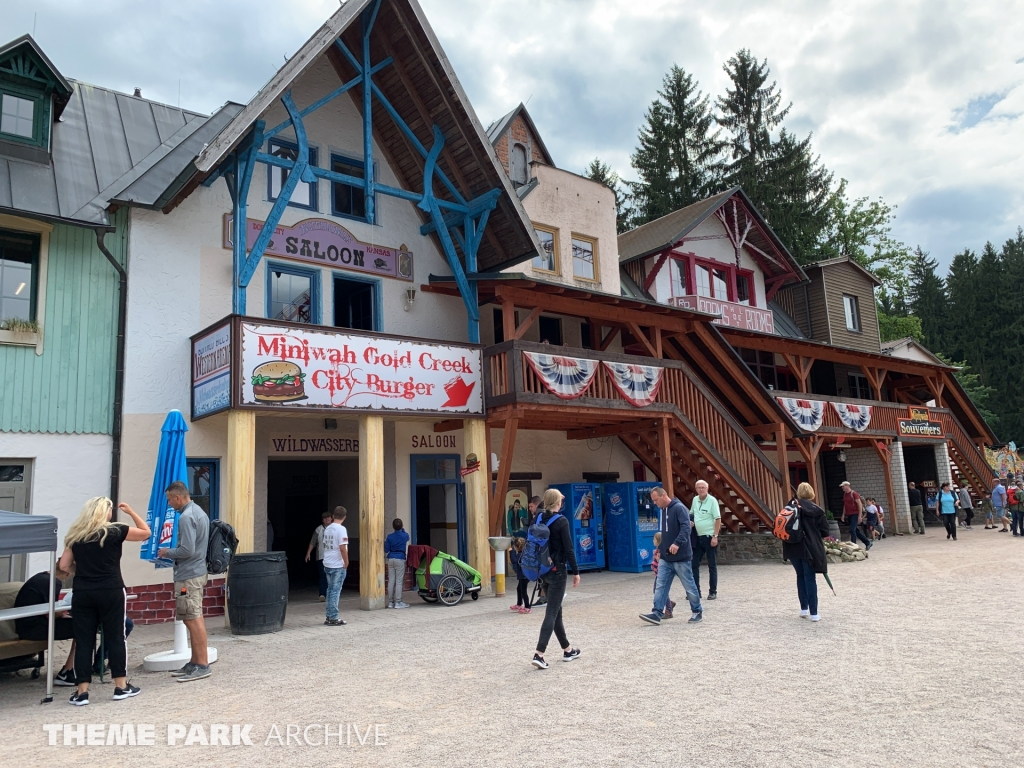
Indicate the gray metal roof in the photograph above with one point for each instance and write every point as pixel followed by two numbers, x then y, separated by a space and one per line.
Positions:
pixel 102 138
pixel 784 324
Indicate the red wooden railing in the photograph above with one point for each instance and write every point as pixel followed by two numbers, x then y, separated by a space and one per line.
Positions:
pixel 722 439
pixel 968 456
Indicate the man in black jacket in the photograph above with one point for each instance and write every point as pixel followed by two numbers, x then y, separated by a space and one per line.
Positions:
pixel 676 555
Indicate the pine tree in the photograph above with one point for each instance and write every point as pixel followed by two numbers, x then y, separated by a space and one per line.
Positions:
pixel 927 299
pixel 679 156
pixel 962 292
pixel 749 112
pixel 602 173
pixel 783 177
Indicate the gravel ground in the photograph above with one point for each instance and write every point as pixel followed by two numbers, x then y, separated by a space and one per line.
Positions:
pixel 911 665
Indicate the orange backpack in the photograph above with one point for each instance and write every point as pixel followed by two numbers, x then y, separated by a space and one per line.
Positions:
pixel 787 524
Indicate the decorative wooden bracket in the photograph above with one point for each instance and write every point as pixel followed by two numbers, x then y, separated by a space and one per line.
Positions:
pixel 876 378
pixel 801 368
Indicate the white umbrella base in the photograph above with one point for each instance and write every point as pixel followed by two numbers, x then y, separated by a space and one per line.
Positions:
pixel 168 661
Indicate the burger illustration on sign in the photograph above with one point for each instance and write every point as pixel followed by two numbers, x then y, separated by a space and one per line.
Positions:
pixel 278 381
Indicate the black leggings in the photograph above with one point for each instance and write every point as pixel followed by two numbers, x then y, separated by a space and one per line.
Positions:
pixel 555 583
pixel 523 593
pixel 950 522
pixel 91 609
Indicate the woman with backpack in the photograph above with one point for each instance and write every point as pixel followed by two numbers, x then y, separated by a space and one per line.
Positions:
pixel 807 552
pixel 561 557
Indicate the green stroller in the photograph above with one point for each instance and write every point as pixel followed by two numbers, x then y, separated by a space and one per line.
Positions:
pixel 446 579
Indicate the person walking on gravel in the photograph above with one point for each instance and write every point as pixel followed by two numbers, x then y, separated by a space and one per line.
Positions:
pixel 948 503
pixel 808 555
pixel 707 522
pixel 675 556
pixel 563 557
pixel 998 505
pixel 335 564
pixel 853 508
pixel 916 508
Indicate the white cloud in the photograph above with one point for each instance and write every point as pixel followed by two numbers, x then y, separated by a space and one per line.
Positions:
pixel 918 101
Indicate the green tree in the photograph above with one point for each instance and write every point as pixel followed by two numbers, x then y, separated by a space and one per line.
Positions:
pixel 783 177
pixel 861 229
pixel 895 326
pixel 927 298
pixel 602 173
pixel 963 294
pixel 678 160
pixel 980 394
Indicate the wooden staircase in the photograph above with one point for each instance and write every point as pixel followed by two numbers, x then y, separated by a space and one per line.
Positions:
pixel 742 509
pixel 967 461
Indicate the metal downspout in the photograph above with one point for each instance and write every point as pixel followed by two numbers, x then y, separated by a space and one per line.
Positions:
pixel 122 311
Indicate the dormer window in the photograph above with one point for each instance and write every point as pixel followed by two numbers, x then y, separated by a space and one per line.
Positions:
pixel 17 116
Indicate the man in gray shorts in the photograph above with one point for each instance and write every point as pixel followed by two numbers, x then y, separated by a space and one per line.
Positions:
pixel 189 577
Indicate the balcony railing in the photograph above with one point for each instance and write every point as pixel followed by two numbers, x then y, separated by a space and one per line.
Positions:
pixel 510 380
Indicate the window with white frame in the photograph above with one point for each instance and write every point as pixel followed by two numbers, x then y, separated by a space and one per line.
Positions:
pixel 583 265
pixel 852 311
pixel 305 193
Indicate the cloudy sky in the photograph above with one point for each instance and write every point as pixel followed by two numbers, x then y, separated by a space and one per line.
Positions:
pixel 920 102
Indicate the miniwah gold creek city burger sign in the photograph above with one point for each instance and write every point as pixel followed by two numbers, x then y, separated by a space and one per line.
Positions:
pixel 299 369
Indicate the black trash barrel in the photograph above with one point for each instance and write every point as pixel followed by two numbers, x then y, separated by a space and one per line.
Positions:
pixel 257 594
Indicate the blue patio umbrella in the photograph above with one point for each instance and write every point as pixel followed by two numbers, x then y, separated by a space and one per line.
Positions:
pixel 170 466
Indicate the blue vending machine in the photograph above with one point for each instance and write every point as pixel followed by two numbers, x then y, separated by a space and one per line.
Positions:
pixel 631 520
pixel 582 508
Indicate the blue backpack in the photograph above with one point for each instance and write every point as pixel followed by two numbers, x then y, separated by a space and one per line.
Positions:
pixel 536 558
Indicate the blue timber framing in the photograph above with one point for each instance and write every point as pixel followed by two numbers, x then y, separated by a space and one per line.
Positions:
pixel 445 216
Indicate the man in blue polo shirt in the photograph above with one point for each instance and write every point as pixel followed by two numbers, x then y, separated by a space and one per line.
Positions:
pixel 395 546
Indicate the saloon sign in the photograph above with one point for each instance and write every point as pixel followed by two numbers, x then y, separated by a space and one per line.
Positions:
pixel 290 368
pixel 318 241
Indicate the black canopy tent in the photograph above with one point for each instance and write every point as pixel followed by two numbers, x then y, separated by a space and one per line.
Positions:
pixel 24 534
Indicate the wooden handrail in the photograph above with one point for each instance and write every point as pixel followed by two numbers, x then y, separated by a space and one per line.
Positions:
pixel 701 417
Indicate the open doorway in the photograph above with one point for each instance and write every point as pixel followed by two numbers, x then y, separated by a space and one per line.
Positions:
pixel 298 492
pixel 439 504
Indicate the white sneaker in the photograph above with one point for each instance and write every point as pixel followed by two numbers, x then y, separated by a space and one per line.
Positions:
pixel 390 605
pixel 400 605
pixel 815 617
pixel 804 613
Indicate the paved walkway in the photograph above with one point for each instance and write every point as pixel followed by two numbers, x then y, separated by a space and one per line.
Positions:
pixel 915 663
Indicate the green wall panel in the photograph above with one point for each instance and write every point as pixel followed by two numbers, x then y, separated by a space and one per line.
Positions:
pixel 70 387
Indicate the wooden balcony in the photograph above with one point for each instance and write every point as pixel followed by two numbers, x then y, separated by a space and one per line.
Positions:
pixel 705 439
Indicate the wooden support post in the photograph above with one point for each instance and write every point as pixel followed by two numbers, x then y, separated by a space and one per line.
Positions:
pixel 508 319
pixel 525 325
pixel 801 368
pixel 477 483
pixel 371 512
pixel 665 456
pixel 780 446
pixel 241 477
pixel 508 446
pixel 809 449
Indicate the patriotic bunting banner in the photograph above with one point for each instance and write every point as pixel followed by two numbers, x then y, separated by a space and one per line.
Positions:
pixel 639 384
pixel 566 377
pixel 806 413
pixel 856 417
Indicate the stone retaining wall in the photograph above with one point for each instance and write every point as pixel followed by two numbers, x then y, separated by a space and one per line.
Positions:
pixel 748 548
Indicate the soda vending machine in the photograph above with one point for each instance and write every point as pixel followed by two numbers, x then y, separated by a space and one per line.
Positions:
pixel 631 520
pixel 582 508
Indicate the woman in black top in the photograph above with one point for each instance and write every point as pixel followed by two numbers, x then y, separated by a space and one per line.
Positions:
pixel 808 555
pixel 93 553
pixel 563 556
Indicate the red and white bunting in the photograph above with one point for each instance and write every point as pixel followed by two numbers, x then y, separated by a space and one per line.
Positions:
pixel 855 417
pixel 639 384
pixel 566 377
pixel 808 414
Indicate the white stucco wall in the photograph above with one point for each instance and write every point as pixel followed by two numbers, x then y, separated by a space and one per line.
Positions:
pixel 67 470
pixel 571 204
pixel 719 249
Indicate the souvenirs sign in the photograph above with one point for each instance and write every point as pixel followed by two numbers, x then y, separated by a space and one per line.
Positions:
pixel 322 242
pixel 290 368
pixel 909 428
